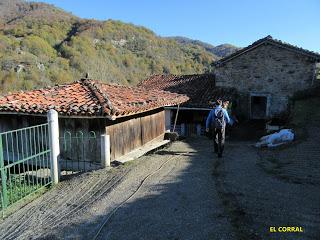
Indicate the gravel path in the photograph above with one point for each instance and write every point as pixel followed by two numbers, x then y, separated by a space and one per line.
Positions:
pixel 184 192
pixel 179 201
pixel 257 197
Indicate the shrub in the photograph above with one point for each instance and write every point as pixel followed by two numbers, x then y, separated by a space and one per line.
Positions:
pixel 38 47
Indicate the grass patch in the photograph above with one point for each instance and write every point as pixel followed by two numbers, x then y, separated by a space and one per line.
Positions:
pixel 304 112
pixel 129 163
pixel 20 188
pixel 24 201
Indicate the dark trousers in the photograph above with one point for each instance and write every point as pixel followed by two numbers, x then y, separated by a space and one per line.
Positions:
pixel 219 139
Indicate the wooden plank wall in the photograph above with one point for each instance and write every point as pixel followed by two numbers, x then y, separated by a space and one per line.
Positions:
pixel 133 133
pixel 90 150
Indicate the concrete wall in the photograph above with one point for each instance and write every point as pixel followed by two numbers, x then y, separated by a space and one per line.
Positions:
pixel 267 69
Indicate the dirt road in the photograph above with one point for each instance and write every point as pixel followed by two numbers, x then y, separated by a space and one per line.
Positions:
pixel 179 201
pixel 184 192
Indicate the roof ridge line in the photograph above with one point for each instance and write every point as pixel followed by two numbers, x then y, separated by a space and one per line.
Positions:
pixel 102 98
pixel 140 84
pixel 271 40
pixel 289 45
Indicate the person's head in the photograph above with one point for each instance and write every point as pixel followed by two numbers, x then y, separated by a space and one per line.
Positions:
pixel 212 104
pixel 225 104
pixel 219 102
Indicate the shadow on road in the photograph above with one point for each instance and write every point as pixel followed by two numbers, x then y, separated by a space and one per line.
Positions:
pixel 180 201
pixel 190 194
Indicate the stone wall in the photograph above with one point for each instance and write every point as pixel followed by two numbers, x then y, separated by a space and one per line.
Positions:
pixel 267 69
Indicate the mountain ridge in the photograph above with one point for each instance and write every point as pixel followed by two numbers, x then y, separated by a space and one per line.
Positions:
pixel 42 45
pixel 219 51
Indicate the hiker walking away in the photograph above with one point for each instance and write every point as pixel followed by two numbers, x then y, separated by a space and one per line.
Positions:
pixel 218 118
pixel 209 134
pixel 233 119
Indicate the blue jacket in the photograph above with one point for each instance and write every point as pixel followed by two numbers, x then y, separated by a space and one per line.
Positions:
pixel 212 115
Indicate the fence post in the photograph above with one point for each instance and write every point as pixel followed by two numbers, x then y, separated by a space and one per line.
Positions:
pixel 105 150
pixel 167 115
pixel 54 144
pixel 183 129
pixel 198 129
pixel 3 178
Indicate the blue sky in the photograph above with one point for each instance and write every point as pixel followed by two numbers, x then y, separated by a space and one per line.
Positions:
pixel 216 22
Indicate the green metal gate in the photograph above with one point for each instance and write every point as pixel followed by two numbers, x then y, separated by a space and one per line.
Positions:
pixel 24 163
pixel 78 152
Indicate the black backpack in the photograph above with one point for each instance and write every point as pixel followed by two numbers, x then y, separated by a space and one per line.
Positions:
pixel 219 121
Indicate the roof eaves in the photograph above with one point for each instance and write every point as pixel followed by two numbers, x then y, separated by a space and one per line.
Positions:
pixel 120 115
pixel 295 48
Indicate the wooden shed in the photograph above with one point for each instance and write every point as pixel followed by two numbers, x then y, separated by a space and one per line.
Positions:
pixel 201 90
pixel 132 116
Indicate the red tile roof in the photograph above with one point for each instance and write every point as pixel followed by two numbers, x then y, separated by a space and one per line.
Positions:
pixel 89 98
pixel 200 88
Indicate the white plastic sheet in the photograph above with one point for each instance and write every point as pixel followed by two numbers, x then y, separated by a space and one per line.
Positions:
pixel 282 137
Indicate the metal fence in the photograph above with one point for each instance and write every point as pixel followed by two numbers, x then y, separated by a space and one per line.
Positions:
pixel 79 152
pixel 24 163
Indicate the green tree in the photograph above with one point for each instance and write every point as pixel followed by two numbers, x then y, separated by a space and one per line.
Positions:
pixel 38 47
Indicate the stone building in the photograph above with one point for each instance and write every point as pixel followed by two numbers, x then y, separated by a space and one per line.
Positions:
pixel 266 74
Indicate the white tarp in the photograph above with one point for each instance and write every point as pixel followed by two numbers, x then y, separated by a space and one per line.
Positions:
pixel 276 139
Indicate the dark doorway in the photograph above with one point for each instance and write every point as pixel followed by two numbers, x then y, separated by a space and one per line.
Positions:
pixel 258 107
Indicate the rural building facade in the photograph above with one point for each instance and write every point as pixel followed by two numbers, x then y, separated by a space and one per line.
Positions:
pixel 266 74
pixel 201 90
pixel 130 115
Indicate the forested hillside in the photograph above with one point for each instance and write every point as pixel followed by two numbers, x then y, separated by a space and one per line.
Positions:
pixel 42 45
pixel 219 51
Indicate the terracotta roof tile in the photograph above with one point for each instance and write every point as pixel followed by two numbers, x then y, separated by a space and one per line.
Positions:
pixel 91 98
pixel 200 88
